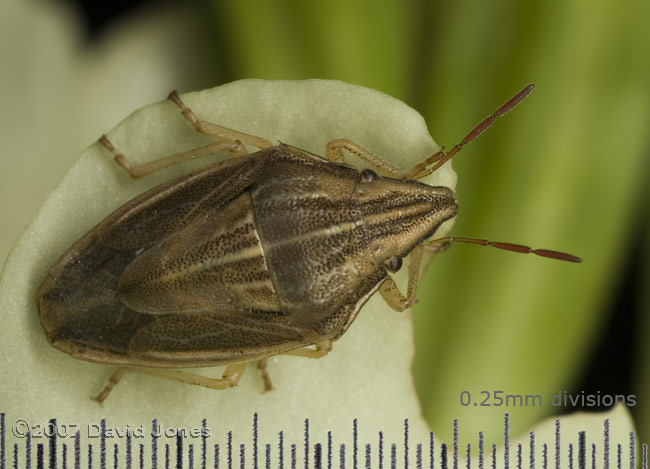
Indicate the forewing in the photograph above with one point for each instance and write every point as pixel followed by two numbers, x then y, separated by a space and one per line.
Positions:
pixel 214 338
pixel 169 207
pixel 215 263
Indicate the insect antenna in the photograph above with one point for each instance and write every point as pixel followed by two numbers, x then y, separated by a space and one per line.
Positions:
pixel 441 157
pixel 438 244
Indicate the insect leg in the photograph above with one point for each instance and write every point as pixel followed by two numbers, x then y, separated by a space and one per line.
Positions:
pixel 112 381
pixel 229 378
pixel 236 148
pixel 214 130
pixel 391 294
pixel 334 153
pixel 261 365
pixel 389 290
pixel 319 351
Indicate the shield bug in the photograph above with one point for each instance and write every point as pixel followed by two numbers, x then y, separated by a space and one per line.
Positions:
pixel 268 252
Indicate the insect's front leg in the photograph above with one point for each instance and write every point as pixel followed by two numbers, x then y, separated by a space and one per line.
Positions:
pixel 389 291
pixel 334 153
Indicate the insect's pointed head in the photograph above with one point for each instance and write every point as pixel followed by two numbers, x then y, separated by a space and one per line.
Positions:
pixel 399 214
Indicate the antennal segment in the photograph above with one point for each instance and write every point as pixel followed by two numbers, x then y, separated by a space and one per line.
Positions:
pixel 435 245
pixel 441 157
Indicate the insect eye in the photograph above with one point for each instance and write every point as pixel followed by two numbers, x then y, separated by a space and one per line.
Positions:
pixel 394 263
pixel 368 175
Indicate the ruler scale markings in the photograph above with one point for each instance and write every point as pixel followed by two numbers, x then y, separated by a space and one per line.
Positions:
pixel 229 449
pixel 368 462
pixel 329 450
pixel 129 443
pixel 28 450
pixel 154 444
pixel 255 442
pixel 443 456
pixel 506 441
pixel 606 444
pixel 318 456
pixel 531 456
pixel 619 456
pixel 51 442
pixel 39 456
pixel 354 443
pixel 2 440
pixel 204 443
pixel 494 456
pixel 557 444
pixel 582 450
pixel 545 456
pixel 406 443
pixel 455 445
pixel 102 444
pixel 306 443
pixel 54 450
pixel 268 456
pixel 77 450
pixel 593 456
pixel 179 449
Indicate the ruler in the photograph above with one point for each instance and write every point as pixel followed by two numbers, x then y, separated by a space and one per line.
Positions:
pixel 151 446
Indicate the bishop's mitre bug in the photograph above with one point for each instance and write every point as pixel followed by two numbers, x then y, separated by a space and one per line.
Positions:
pixel 258 255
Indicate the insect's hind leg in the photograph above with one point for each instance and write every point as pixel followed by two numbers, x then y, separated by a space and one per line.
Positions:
pixel 319 351
pixel 261 365
pixel 112 382
pixel 229 378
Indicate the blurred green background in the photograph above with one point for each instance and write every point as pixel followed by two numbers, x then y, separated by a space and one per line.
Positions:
pixel 567 170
